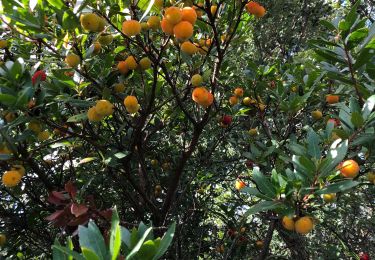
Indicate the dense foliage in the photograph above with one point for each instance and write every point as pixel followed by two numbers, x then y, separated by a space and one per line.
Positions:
pixel 249 125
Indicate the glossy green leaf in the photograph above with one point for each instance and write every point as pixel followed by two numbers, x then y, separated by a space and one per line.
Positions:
pixel 115 236
pixel 165 241
pixel 338 187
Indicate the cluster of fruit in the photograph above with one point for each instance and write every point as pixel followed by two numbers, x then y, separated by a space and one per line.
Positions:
pixel 200 94
pixel 102 109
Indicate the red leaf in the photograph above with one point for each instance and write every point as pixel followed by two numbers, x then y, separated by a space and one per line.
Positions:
pixel 55 215
pixel 53 200
pixel 106 214
pixel 61 195
pixel 71 189
pixel 78 209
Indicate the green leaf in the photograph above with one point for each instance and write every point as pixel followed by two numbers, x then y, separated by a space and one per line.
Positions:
pixel 313 144
pixel 58 254
pixel 263 206
pixel 77 118
pixel 59 4
pixel 255 192
pixel 147 250
pixel 336 155
pixel 91 238
pixel 263 183
pixel 89 254
pixel 69 20
pixel 338 187
pixel 125 237
pixel 166 241
pixel 330 26
pixel 68 252
pixel 368 107
pixel 7 100
pixel 357 119
pixel 139 244
pixel 115 239
pixel 357 37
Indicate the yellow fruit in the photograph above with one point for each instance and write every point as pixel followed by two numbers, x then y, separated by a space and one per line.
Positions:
pixel 233 100
pixel 131 63
pixel 72 60
pixel 259 244
pixel 119 87
pixel 238 92
pixel 189 48
pixel 104 108
pixel 288 223
pixel 131 104
pixel 97 47
pixel 239 185
pixel 304 225
pixel 105 39
pixel 4 149
pixel 93 116
pixel 42 136
pixel 166 27
pixel 316 114
pixel 11 178
pixel 102 24
pixel 158 188
pixel 253 132
pixel 131 28
pixel 201 96
pixel 3 44
pixel 9 117
pixel 262 107
pixel 331 197
pixel 349 169
pixel 196 80
pixel 213 9
pixel 183 30
pixel 90 22
pixel 35 127
pixel 145 63
pixel 122 67
pixel 153 22
pixel 144 26
pixel 189 15
pixel 243 230
pixel 18 168
pixel 247 101
pixel 3 240
pixel 371 177
pixel 173 15
pixel 154 162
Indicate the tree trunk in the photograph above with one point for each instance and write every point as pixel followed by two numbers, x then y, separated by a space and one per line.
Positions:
pixel 295 242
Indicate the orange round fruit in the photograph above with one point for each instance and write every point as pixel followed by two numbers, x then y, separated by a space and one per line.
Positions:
pixel 240 185
pixel 332 99
pixel 131 104
pixel 183 30
pixel 304 225
pixel 233 100
pixel 213 9
pixel 166 27
pixel 11 178
pixel 90 22
pixel 256 9
pixel 238 92
pixel 123 67
pixel 173 15
pixel 93 115
pixel 349 169
pixel 104 107
pixel 288 223
pixel 189 48
pixel 153 22
pixel 97 47
pixel 259 244
pixel 208 101
pixel 131 28
pixel 189 15
pixel 131 63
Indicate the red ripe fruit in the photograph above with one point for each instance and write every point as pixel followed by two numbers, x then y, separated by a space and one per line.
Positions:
pixel 40 74
pixel 226 120
pixel 364 256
